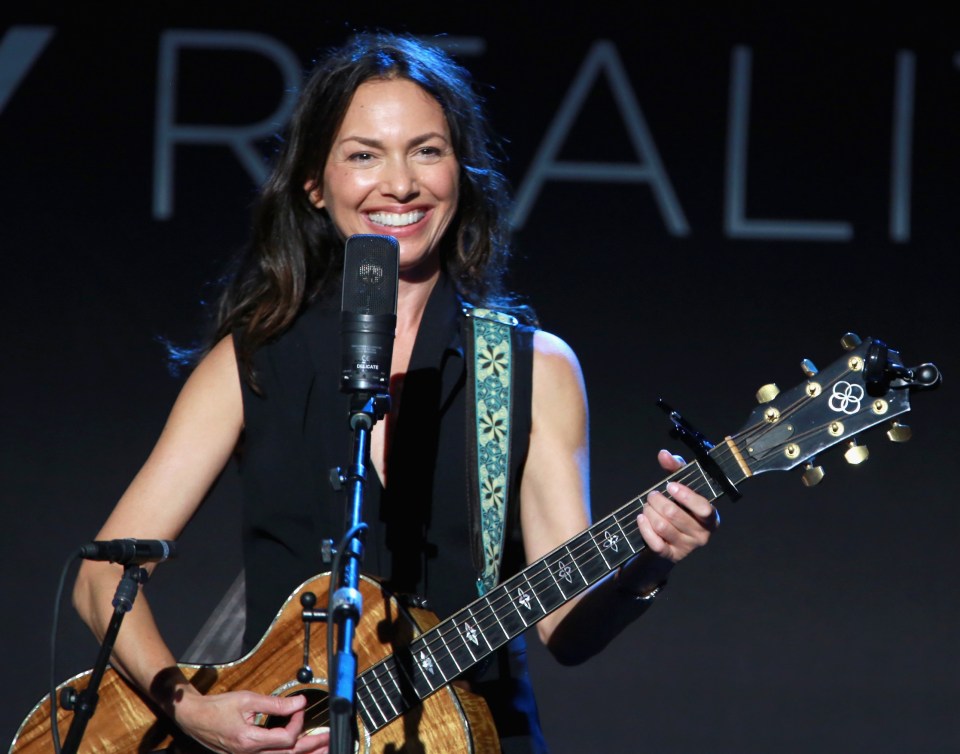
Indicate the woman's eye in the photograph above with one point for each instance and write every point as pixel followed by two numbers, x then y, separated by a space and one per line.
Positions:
pixel 361 157
pixel 429 153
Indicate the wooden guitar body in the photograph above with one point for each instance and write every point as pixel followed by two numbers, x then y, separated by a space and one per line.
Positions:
pixel 450 720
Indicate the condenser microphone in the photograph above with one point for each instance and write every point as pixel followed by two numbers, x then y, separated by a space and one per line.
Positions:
pixel 368 316
pixel 129 551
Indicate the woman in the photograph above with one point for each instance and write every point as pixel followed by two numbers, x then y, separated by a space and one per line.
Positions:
pixel 388 138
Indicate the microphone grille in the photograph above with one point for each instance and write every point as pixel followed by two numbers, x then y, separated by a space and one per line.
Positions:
pixel 370 271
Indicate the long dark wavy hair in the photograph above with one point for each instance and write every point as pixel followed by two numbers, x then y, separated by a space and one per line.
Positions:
pixel 295 253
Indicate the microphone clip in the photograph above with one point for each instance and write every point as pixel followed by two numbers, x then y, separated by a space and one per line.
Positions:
pixel 367 409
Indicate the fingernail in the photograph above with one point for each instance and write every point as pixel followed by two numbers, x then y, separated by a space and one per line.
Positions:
pixel 673 488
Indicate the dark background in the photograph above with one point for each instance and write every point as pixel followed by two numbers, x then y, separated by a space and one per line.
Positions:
pixel 819 619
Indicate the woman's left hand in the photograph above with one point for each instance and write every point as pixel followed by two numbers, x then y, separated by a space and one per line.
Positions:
pixel 676 524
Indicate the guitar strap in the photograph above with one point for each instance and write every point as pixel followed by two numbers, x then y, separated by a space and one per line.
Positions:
pixel 490 355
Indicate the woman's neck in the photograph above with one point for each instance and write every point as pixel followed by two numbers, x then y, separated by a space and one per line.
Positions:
pixel 412 297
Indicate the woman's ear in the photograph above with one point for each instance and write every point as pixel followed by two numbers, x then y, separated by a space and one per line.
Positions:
pixel 314 194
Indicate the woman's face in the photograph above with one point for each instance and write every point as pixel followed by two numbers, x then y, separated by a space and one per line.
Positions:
pixel 392 171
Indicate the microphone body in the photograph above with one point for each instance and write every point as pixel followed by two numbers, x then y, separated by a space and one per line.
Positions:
pixel 129 551
pixel 368 316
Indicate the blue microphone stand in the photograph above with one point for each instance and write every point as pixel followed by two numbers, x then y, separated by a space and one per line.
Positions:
pixel 346 602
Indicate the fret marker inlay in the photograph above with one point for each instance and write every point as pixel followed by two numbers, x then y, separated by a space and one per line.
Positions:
pixel 426 663
pixel 470 631
pixel 610 541
pixel 523 598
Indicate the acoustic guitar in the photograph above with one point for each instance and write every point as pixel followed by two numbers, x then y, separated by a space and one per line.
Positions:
pixel 407 696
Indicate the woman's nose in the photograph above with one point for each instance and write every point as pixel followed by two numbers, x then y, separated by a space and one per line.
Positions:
pixel 399 180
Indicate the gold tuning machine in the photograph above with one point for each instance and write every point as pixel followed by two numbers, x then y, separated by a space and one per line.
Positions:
pixel 767 393
pixel 899 432
pixel 812 474
pixel 850 341
pixel 856 454
pixel 808 368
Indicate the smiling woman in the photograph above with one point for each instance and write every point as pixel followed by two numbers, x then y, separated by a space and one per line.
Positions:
pixel 392 170
pixel 388 138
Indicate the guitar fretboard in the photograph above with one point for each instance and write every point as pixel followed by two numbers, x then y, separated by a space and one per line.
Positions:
pixel 392 686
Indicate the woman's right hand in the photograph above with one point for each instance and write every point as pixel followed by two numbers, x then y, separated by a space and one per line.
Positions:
pixel 226 723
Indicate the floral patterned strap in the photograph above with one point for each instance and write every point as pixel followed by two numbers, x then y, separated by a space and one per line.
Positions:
pixel 492 347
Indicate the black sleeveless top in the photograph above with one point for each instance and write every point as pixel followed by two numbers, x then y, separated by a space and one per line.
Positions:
pixel 420 537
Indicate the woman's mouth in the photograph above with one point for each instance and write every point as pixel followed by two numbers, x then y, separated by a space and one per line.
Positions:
pixel 397 219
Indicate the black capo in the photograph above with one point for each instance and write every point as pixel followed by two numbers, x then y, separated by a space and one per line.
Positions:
pixel 700 445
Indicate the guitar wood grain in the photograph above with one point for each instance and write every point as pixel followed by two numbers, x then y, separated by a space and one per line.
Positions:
pixel 450 720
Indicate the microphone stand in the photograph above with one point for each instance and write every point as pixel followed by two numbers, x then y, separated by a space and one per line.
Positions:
pixel 84 704
pixel 346 602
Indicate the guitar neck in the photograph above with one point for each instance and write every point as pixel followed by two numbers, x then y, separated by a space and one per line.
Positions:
pixel 441 654
pixel 867 386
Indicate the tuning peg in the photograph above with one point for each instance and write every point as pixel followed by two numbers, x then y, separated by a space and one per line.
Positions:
pixel 850 341
pixel 856 454
pixel 899 432
pixel 767 393
pixel 808 368
pixel 812 474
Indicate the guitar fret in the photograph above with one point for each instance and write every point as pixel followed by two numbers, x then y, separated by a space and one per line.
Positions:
pixel 576 564
pixel 595 568
pixel 449 652
pixel 429 658
pixel 425 682
pixel 458 647
pixel 523 598
pixel 400 695
pixel 400 673
pixel 452 666
pixel 493 627
pixel 469 634
pixel 511 622
pixel 549 591
pixel 562 573
pixel 383 694
pixel 611 542
pixel 379 708
pixel 387 696
pixel 391 677
pixel 631 532
pixel 632 518
pixel 588 558
pixel 392 692
pixel 368 720
pixel 705 481
pixel 478 625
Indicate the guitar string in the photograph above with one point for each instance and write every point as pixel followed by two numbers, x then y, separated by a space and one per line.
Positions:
pixel 625 513
pixel 373 678
pixel 622 514
pixel 536 577
pixel 543 575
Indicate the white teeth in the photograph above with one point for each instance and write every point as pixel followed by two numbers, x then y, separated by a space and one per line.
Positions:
pixel 395 220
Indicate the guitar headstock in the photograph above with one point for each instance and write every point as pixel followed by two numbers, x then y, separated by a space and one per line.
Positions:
pixel 866 387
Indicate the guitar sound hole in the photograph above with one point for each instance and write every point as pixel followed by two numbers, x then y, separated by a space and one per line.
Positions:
pixel 317 712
